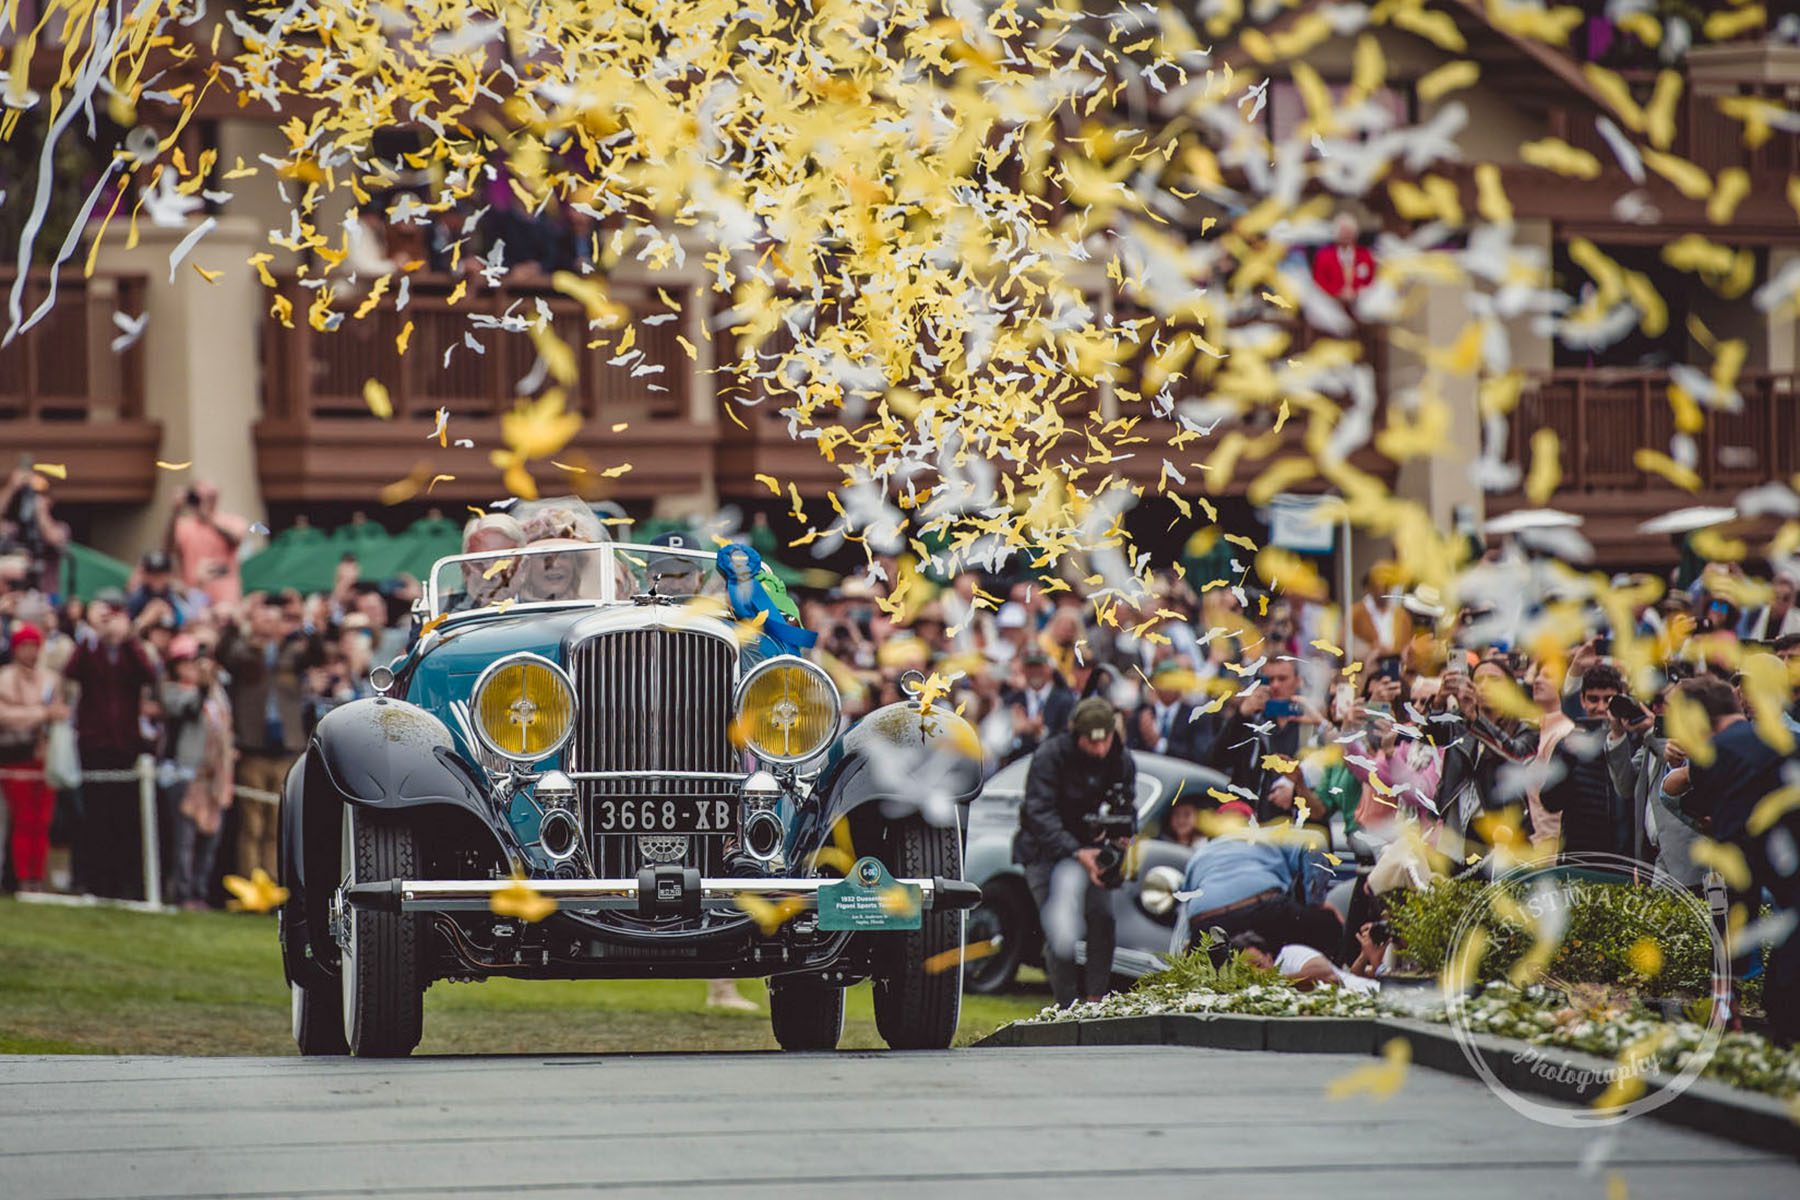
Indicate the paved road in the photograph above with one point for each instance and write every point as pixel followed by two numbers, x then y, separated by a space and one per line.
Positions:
pixel 1091 1122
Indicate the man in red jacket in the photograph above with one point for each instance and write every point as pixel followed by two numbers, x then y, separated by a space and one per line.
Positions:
pixel 1344 268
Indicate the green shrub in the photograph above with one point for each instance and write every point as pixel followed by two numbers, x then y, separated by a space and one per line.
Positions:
pixel 1605 922
pixel 1193 971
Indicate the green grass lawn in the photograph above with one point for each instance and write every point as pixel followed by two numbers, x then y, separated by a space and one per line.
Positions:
pixel 107 981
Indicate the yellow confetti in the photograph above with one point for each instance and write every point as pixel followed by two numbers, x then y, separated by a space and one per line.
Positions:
pixel 173 466
pixel 1732 186
pixel 1554 154
pixel 375 395
pixel 769 915
pixel 949 960
pixel 403 338
pixel 1490 196
pixel 1546 466
pixel 209 276
pixel 437 479
pixel 1451 77
pixel 1725 24
pixel 1379 1081
pixel 258 894
pixel 1462 967
pixel 520 902
pixel 1690 180
pixel 54 470
pixel 1654 462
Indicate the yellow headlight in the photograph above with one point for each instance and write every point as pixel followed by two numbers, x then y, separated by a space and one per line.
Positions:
pixel 524 708
pixel 787 710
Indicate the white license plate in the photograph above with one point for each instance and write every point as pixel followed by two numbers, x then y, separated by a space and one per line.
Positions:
pixel 671 814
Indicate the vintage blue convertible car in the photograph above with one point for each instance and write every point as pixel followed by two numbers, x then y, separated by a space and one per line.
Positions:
pixel 597 725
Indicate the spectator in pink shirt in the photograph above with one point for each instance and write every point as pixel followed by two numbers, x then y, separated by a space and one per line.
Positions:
pixel 204 543
pixel 1406 771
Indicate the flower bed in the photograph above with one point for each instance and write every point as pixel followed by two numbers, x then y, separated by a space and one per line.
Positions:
pixel 1539 1015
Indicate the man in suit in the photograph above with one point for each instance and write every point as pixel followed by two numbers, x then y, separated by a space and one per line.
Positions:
pixel 1166 723
pixel 1344 268
pixel 1040 707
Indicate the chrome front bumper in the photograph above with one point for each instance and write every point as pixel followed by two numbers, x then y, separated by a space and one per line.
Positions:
pixel 476 895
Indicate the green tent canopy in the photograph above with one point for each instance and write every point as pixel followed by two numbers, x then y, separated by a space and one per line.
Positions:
pixel 420 545
pixel 86 570
pixel 306 558
pixel 302 557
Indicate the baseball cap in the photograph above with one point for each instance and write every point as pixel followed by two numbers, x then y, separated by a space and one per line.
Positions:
pixel 156 561
pixel 1093 717
pixel 1034 656
pixel 1011 616
pixel 674 564
pixel 24 634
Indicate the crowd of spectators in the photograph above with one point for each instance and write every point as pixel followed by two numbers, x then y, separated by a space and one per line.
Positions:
pixel 1418 716
pixel 1429 725
pixel 219 688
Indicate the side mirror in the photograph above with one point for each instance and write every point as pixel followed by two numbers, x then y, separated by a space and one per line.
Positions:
pixel 381 679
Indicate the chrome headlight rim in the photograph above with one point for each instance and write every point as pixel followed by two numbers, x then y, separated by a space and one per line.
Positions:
pixel 812 668
pixel 481 733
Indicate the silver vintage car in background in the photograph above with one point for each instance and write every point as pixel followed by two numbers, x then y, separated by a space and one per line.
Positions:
pixel 1007 919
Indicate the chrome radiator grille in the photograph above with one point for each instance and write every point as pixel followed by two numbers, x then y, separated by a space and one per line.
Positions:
pixel 653 700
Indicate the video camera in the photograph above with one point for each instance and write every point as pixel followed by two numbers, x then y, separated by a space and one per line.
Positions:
pixel 1113 822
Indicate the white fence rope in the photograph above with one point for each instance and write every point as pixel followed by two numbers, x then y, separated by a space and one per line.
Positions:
pixel 145 775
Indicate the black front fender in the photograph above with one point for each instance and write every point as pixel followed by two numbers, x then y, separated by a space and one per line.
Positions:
pixel 386 753
pixel 901 759
pixel 390 755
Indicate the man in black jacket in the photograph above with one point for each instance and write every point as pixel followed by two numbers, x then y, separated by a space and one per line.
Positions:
pixel 1594 818
pixel 1071 776
pixel 1167 724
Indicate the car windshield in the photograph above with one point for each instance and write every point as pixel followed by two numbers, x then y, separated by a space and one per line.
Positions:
pixel 561 570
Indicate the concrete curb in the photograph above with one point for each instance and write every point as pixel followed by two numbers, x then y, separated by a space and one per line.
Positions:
pixel 1747 1118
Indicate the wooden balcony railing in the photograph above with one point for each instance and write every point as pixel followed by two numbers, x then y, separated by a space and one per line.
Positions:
pixel 66 397
pixel 1703 134
pixel 63 368
pixel 318 440
pixel 1602 417
pixel 321 375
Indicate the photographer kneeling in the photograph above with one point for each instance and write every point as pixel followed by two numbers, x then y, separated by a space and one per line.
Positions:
pixel 1075 824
